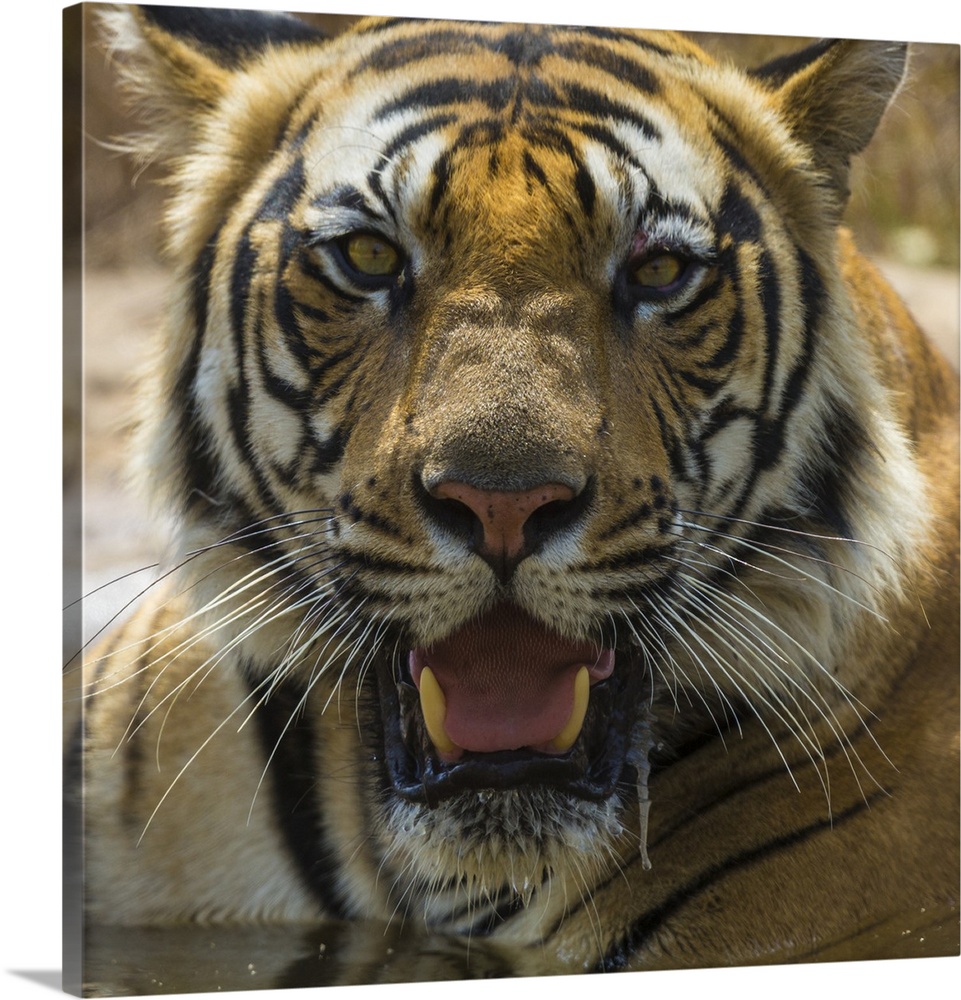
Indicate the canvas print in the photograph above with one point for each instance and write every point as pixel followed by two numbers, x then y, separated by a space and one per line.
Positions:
pixel 552 561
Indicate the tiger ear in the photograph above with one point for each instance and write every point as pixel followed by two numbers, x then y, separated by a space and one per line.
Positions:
pixel 834 94
pixel 178 62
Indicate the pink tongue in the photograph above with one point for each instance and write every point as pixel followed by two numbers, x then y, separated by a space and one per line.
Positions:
pixel 507 679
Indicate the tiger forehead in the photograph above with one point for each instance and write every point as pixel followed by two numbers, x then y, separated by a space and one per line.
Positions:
pixel 526 127
pixel 544 81
pixel 517 48
pixel 526 72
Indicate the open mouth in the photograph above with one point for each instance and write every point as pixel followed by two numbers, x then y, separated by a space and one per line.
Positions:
pixel 505 702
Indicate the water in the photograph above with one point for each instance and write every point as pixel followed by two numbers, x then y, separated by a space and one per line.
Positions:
pixel 131 961
pixel 124 961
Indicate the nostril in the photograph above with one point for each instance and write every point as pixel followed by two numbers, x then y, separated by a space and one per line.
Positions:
pixel 456 517
pixel 555 516
pixel 504 526
pixel 503 515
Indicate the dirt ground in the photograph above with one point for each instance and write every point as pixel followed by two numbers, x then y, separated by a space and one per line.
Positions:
pixel 120 311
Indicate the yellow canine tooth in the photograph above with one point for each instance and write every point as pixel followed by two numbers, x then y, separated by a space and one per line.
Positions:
pixel 566 738
pixel 434 706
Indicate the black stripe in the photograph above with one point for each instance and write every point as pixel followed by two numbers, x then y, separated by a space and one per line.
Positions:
pixel 496 96
pixel 334 388
pixel 199 464
pixel 286 306
pixel 603 135
pixel 381 25
pixel 289 743
pixel 285 192
pixel 772 429
pixel 619 955
pixel 825 482
pixel 681 410
pixel 598 105
pixel 326 454
pixel 276 206
pixel 141 678
pixel 695 744
pixel 441 173
pixel 449 90
pixel 812 298
pixel 400 53
pixel 770 293
pixel 326 364
pixel 619 35
pixel 534 171
pixel 484 133
pixel 379 522
pixel 285 316
pixel 313 313
pixel 412 133
pixel 312 270
pixel 257 537
pixel 539 93
pixel 641 513
pixel 585 188
pixel 345 196
pixel 670 439
pixel 632 559
pixel 238 407
pixel 704 297
pixel 613 63
pixel 725 413
pixel 709 386
pixel 737 216
pixel 734 149
pixel 734 326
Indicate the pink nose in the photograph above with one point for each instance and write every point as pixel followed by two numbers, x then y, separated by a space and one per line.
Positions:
pixel 502 516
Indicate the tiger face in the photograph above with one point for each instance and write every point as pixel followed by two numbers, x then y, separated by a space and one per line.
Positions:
pixel 515 411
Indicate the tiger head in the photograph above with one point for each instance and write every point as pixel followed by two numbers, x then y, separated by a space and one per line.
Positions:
pixel 514 408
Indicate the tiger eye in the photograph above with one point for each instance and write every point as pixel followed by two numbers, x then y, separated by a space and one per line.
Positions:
pixel 658 271
pixel 372 255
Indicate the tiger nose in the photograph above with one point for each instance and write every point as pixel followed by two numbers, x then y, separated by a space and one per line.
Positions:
pixel 506 525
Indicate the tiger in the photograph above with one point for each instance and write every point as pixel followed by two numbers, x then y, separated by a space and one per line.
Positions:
pixel 564 558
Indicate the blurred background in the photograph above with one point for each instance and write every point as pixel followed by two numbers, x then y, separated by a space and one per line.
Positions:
pixel 904 210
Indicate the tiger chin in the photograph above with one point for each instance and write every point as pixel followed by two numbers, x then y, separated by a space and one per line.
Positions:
pixel 566 514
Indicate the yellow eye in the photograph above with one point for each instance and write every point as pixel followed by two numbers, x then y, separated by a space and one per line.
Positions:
pixel 372 255
pixel 659 271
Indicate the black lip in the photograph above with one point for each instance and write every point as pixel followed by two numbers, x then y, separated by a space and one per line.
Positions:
pixel 590 770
